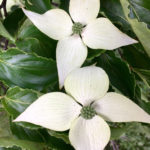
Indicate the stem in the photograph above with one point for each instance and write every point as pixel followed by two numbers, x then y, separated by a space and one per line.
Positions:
pixel 3 5
pixel 1 14
pixel 3 87
pixel 55 4
pixel 114 145
pixel 6 44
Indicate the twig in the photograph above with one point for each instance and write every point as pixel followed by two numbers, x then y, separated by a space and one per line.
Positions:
pixel 114 145
pixel 3 5
pixel 120 53
pixel 1 14
pixel 55 4
pixel 3 87
pixel 6 44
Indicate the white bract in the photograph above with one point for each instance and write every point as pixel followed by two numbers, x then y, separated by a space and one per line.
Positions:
pixel 73 36
pixel 84 110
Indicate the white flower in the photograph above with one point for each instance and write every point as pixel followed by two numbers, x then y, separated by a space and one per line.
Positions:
pixel 71 50
pixel 84 110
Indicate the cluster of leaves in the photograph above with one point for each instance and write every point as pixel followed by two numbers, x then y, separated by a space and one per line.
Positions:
pixel 28 70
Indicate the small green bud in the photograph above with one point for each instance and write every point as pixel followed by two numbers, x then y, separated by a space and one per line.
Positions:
pixel 88 112
pixel 77 28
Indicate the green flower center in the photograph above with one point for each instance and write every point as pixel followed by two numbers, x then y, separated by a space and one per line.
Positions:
pixel 77 28
pixel 88 112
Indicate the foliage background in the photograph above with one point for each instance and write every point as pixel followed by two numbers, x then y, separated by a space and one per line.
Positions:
pixel 28 70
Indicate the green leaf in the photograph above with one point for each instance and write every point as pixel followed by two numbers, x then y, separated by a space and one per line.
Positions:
pixel 117 132
pixel 137 138
pixel 58 144
pixel 4 33
pixel 139 62
pixel 30 39
pixel 141 9
pixel 113 10
pixel 119 73
pixel 144 75
pixel 13 21
pixel 4 125
pixel 139 28
pixel 64 5
pixel 60 135
pixel 8 142
pixel 142 94
pixel 12 148
pixel 136 56
pixel 23 133
pixel 94 53
pixel 26 70
pixel 17 100
pixel 39 6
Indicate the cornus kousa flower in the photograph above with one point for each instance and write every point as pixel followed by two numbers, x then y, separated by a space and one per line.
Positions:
pixel 84 110
pixel 73 36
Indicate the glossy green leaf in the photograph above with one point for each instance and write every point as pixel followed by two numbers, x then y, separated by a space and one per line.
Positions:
pixel 26 70
pixel 13 21
pixel 30 39
pixel 7 140
pixel 4 125
pixel 142 9
pixel 136 56
pixel 23 133
pixel 144 75
pixel 64 5
pixel 94 53
pixel 4 33
pixel 142 97
pixel 113 10
pixel 139 62
pixel 60 135
pixel 39 6
pixel 139 28
pixel 119 73
pixel 17 100
pixel 23 144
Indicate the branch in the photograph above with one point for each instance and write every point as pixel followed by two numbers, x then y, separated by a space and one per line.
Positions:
pixel 55 4
pixel 3 5
pixel 3 87
pixel 114 145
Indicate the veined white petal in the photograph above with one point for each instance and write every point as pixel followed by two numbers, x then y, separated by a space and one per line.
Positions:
pixel 71 54
pixel 117 108
pixel 91 134
pixel 84 11
pixel 54 111
pixel 55 23
pixel 102 34
pixel 87 84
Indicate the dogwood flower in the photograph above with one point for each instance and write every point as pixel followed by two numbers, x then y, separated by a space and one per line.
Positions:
pixel 74 36
pixel 84 110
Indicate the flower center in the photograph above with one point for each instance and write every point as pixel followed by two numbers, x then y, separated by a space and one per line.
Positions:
pixel 77 28
pixel 88 112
